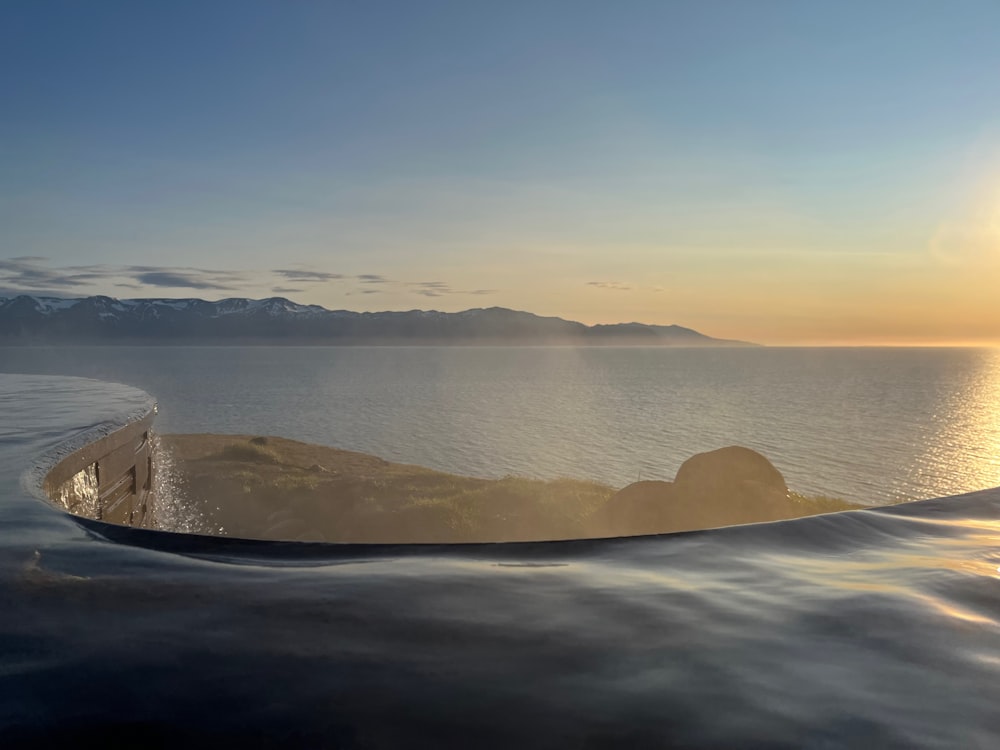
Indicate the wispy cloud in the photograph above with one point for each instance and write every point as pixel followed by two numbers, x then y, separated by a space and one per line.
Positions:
pixel 178 279
pixel 430 288
pixel 441 288
pixel 300 275
pixel 618 286
pixel 9 292
pixel 34 275
pixel 28 273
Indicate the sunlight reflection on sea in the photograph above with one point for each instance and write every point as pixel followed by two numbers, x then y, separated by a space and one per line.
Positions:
pixel 869 425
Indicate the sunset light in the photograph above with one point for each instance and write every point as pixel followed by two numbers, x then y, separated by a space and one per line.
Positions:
pixel 755 186
pixel 511 374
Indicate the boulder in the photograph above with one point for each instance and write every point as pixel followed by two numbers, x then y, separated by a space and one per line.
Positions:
pixel 729 486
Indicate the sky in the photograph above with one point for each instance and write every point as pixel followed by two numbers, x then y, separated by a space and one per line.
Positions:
pixel 780 172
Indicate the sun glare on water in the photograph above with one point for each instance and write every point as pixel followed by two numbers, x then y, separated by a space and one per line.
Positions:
pixel 969 433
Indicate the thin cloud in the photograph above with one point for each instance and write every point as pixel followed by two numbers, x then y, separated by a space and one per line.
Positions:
pixel 26 274
pixel 177 279
pixel 34 275
pixel 441 288
pixel 292 274
pixel 618 286
pixel 430 288
pixel 29 274
pixel 10 293
pixel 191 278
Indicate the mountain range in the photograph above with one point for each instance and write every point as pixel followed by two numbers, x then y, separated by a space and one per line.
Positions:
pixel 29 319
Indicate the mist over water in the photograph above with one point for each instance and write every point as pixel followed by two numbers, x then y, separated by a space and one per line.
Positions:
pixel 866 425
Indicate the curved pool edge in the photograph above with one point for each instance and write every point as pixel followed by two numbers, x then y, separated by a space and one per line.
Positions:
pixel 118 441
pixel 869 628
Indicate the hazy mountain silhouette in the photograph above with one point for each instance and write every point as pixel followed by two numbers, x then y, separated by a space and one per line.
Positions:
pixel 27 319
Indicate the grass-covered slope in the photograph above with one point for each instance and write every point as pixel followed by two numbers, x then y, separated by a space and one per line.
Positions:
pixel 275 488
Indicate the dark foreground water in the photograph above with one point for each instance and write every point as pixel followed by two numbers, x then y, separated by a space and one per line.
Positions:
pixel 867 629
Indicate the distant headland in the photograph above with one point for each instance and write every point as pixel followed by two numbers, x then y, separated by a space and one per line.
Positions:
pixel 27 319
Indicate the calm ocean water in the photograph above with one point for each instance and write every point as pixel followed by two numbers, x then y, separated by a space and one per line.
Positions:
pixel 868 629
pixel 869 425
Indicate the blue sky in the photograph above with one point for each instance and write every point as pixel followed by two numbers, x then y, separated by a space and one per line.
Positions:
pixel 789 172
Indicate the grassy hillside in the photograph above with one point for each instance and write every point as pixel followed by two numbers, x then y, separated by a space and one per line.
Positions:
pixel 275 488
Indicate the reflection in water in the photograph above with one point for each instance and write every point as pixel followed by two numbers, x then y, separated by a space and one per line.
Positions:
pixel 961 441
pixel 865 425
pixel 870 629
pixel 79 493
pixel 852 630
pixel 171 508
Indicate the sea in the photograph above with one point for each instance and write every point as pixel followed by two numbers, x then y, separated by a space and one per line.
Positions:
pixel 868 425
pixel 875 628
